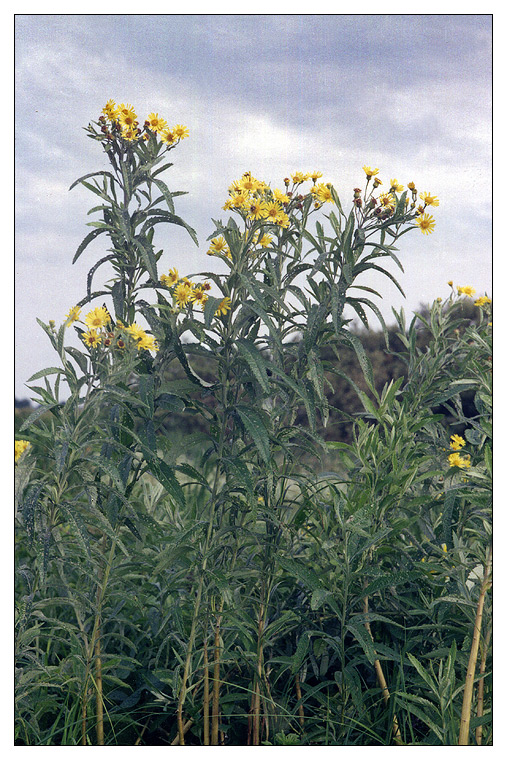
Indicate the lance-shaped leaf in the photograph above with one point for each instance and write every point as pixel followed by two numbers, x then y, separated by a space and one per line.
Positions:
pixel 255 427
pixel 86 241
pixel 251 355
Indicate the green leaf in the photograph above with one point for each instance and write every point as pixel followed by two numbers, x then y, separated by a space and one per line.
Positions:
pixel 44 373
pixel 255 427
pixel 364 639
pixel 165 475
pixel 87 240
pixel 251 355
pixel 362 356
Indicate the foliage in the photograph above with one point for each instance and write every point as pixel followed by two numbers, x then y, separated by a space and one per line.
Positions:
pixel 221 587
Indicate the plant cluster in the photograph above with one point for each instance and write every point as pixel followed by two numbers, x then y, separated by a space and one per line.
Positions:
pixel 232 590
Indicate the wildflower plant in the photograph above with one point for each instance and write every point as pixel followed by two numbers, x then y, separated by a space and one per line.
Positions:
pixel 210 531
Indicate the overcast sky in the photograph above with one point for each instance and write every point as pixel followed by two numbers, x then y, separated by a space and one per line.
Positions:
pixel 410 94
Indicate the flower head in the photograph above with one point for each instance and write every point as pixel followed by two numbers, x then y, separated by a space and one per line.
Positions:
pixel 395 185
pixel 19 448
pixel 482 301
pixel 180 131
pixel 256 208
pixel 457 442
pixel 147 343
pixel 456 460
pixel 218 245
pixel 411 185
pixel 264 240
pixel 429 200
pixel 223 307
pixel 170 279
pixel 198 296
pixel 426 223
pixel 323 193
pixel 167 136
pixel 466 290
pixel 92 338
pixel 136 332
pixel 299 177
pixel 370 172
pixel 315 176
pixel 73 314
pixel 182 292
pixel 156 124
pixel 98 317
pixel 111 110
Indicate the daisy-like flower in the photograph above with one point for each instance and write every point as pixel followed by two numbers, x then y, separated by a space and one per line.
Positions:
pixel 249 183
pixel 223 307
pixel 281 197
pixel 239 200
pixel 457 442
pixel 411 185
pixel 198 296
pixel 256 209
pixel 370 172
pixel 136 332
pixel 283 220
pixel 125 109
pixel 180 131
pixel 171 278
pixel 388 201
pixel 315 176
pixel 92 338
pixel 376 182
pixel 395 185
pixel 429 200
pixel 273 211
pixel 19 448
pixel 167 136
pixel 456 460
pixel 147 343
pixel 129 134
pixel 299 177
pixel 111 110
pixel 218 245
pixel 156 124
pixel 482 301
pixel 426 223
pixel 264 241
pixel 98 317
pixel 182 293
pixel 466 290
pixel 73 314
pixel 323 193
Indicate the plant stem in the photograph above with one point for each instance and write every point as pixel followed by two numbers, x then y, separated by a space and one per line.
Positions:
pixel 299 696
pixel 480 685
pixel 215 711
pixel 382 681
pixel 98 696
pixel 466 709
pixel 205 699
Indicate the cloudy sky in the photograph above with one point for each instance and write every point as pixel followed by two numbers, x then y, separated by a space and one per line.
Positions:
pixel 267 93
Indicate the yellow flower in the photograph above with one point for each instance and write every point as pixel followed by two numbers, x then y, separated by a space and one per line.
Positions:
pixel 249 183
pixel 426 223
pixel 444 547
pixel 265 240
pixel 171 278
pixel 147 343
pixel 466 290
pixel 388 201
pixel 198 296
pixel 279 196
pixel 315 176
pixel 223 307
pixel 283 220
pixel 111 110
pixel 218 245
pixel 136 332
pixel 323 193
pixel 92 338
pixel 482 301
pixel 180 131
pixel 129 134
pixel 127 116
pixel 411 185
pixel 256 209
pixel 429 200
pixel 370 172
pixel 182 293
pixel 156 123
pixel 395 185
pixel 273 211
pixel 299 177
pixel 73 314
pixel 457 442
pixel 450 282
pixel 19 448
pixel 98 317
pixel 168 136
pixel 456 460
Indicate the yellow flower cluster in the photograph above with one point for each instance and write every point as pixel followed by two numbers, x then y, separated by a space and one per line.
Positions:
pixel 188 293
pixel 482 301
pixel 256 201
pixel 99 331
pixel 424 221
pixel 123 120
pixel 19 448
pixel 455 459
pixel 466 290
